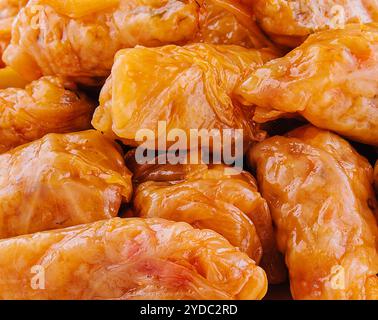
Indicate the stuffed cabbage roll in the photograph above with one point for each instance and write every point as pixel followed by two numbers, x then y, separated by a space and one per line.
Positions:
pixel 319 190
pixel 212 197
pixel 8 11
pixel 331 80
pixel 47 105
pixel 127 259
pixel 61 180
pixel 188 87
pixel 78 39
pixel 290 22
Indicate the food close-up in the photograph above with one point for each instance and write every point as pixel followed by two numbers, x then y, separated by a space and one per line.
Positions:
pixel 188 150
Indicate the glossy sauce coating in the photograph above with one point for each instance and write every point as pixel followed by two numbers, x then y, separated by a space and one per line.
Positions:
pixel 78 39
pixel 61 180
pixel 11 79
pixel 129 259
pixel 44 106
pixel 212 197
pixel 290 22
pixel 8 11
pixel 195 92
pixel 319 191
pixel 331 80
pixel 229 22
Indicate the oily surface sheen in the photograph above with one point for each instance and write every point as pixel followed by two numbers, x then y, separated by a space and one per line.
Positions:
pixel 11 79
pixel 61 180
pixel 216 198
pixel 195 92
pixel 228 22
pixel 331 80
pixel 8 11
pixel 319 191
pixel 289 22
pixel 78 39
pixel 44 106
pixel 129 259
